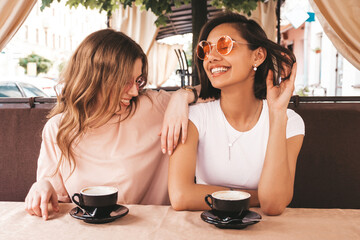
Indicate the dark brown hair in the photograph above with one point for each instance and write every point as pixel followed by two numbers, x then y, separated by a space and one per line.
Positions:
pixel 277 59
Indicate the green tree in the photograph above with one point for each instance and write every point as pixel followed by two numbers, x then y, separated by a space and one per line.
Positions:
pixel 159 7
pixel 42 64
pixel 61 66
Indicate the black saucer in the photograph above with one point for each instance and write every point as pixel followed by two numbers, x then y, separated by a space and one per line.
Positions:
pixel 118 212
pixel 249 218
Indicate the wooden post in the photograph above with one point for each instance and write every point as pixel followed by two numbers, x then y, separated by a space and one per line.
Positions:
pixel 108 21
pixel 278 7
pixel 199 18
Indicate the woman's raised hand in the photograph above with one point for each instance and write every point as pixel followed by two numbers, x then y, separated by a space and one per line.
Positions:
pixel 38 197
pixel 278 97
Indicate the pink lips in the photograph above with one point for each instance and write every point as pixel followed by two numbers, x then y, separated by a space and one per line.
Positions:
pixel 126 103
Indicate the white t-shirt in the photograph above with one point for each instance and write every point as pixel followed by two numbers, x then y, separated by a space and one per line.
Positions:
pixel 240 165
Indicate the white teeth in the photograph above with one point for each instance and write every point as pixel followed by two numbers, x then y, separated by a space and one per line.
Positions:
pixel 125 101
pixel 219 69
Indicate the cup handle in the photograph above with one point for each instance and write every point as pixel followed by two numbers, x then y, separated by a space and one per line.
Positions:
pixel 77 202
pixel 207 200
pixel 87 213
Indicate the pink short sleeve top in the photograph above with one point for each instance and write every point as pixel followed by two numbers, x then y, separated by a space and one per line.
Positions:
pixel 124 154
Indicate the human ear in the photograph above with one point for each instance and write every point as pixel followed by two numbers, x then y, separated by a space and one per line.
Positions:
pixel 259 56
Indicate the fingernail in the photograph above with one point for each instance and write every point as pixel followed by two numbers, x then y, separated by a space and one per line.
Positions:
pixel 169 152
pixel 44 217
pixel 163 151
pixel 183 141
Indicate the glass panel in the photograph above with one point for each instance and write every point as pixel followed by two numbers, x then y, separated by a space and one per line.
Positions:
pixel 31 90
pixel 9 90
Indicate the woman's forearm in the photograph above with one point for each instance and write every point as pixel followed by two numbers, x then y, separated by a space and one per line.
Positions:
pixel 275 188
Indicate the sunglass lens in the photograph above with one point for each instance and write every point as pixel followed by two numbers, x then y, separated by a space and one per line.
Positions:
pixel 224 45
pixel 141 82
pixel 203 49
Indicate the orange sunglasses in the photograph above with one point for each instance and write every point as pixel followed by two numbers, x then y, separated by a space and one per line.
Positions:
pixel 224 45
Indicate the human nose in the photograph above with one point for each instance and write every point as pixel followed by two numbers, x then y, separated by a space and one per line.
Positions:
pixel 213 54
pixel 133 91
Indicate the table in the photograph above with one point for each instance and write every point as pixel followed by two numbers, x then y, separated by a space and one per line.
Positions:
pixel 162 222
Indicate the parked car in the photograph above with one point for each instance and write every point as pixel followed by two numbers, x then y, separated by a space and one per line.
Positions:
pixel 20 89
pixel 45 84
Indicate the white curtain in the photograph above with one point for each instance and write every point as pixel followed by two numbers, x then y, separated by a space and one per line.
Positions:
pixel 139 25
pixel 12 15
pixel 164 62
pixel 340 21
pixel 265 15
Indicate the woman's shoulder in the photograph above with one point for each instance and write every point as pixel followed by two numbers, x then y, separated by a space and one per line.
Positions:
pixel 204 110
pixel 52 125
pixel 205 106
pixel 160 97
pixel 293 115
pixel 153 94
pixel 55 120
pixel 295 125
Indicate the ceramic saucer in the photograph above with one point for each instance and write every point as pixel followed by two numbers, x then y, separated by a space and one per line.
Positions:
pixel 249 218
pixel 118 212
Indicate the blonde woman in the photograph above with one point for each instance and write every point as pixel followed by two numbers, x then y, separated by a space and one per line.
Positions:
pixel 104 129
pixel 247 139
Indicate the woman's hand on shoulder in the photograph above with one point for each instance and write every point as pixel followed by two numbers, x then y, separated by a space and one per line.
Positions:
pixel 175 121
pixel 38 197
pixel 278 97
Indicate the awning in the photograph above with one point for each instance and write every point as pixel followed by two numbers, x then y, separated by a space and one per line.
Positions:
pixel 180 20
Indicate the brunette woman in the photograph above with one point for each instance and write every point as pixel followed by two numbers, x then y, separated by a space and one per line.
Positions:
pixel 247 139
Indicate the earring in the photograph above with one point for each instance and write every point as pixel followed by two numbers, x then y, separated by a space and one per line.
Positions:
pixel 255 68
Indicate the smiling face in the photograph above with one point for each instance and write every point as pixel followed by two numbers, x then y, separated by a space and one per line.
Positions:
pixel 132 88
pixel 233 69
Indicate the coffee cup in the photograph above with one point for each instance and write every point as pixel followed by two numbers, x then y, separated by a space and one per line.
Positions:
pixel 228 203
pixel 97 201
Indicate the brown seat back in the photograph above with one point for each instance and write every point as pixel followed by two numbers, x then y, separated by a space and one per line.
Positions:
pixel 328 167
pixel 20 138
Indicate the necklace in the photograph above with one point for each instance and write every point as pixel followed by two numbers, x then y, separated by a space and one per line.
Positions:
pixel 231 143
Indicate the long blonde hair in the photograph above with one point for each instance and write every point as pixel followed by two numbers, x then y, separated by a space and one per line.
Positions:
pixel 102 65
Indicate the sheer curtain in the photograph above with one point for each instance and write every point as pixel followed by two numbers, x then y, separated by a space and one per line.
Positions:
pixel 164 62
pixel 12 15
pixel 139 25
pixel 265 15
pixel 340 21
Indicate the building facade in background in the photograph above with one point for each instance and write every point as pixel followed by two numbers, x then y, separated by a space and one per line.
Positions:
pixel 57 31
pixel 322 71
pixel 53 33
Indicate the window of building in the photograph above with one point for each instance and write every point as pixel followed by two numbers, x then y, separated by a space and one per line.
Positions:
pixel 37 35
